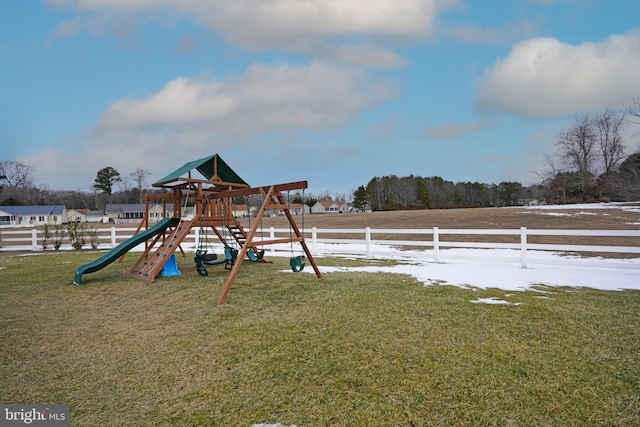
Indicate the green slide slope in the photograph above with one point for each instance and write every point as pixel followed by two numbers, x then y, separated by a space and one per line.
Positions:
pixel 123 248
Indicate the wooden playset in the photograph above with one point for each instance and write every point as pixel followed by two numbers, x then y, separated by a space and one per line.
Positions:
pixel 213 199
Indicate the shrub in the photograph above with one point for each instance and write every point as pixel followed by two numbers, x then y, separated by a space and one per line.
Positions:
pixel 77 233
pixel 46 236
pixel 59 234
pixel 92 232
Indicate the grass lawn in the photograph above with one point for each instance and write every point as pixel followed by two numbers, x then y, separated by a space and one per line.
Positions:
pixel 350 349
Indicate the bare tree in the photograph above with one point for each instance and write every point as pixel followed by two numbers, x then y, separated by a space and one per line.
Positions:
pixel 377 193
pixel 17 177
pixel 626 180
pixel 608 125
pixel 438 192
pixel 633 110
pixel 139 178
pixel 578 149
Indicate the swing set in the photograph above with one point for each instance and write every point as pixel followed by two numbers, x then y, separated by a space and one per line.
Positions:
pixel 213 201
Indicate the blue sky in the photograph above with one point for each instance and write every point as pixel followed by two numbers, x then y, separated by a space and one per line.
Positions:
pixel 330 91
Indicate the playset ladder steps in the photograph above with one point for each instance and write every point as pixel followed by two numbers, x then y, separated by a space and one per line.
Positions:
pixel 149 269
pixel 240 236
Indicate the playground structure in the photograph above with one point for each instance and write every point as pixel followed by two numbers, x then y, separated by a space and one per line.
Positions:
pixel 213 201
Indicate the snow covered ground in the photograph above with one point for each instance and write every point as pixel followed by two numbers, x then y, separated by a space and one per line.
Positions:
pixel 480 273
pixel 498 268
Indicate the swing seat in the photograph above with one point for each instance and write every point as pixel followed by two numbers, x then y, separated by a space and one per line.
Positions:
pixel 255 257
pixel 297 263
pixel 204 256
pixel 202 259
pixel 230 257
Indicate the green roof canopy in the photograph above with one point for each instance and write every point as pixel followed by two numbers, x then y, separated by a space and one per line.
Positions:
pixel 213 168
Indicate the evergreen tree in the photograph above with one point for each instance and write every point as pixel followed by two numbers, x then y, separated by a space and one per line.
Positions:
pixel 361 199
pixel 105 179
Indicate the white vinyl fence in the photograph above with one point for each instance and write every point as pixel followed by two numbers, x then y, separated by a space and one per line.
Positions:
pixel 425 244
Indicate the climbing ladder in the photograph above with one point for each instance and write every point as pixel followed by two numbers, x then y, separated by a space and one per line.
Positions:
pixel 237 236
pixel 147 268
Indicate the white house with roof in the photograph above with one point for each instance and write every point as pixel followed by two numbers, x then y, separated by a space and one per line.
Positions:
pixel 329 207
pixel 85 215
pixel 77 215
pixel 133 212
pixel 18 216
pixel 125 212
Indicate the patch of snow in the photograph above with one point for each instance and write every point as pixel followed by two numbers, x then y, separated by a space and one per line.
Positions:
pixel 500 268
pixel 490 301
pixel 271 425
pixel 555 214
pixel 625 206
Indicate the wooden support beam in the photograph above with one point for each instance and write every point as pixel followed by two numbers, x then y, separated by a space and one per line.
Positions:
pixel 298 185
pixel 244 249
pixel 275 206
pixel 296 230
pixel 278 241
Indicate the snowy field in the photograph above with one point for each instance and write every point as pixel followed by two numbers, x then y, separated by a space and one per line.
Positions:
pixel 495 268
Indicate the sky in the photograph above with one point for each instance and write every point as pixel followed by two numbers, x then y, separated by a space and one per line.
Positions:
pixel 333 92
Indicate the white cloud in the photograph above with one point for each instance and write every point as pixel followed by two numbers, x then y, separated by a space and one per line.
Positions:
pixel 265 98
pixel 363 56
pixel 68 28
pixel 544 77
pixel 351 32
pixel 456 130
pixel 285 18
pixel 475 34
pixel 385 131
pixel 193 117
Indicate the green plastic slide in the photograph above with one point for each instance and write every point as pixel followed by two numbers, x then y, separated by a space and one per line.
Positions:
pixel 123 248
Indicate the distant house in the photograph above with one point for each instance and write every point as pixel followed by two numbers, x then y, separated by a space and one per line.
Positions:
pixel 294 209
pixel 85 215
pixel 156 212
pixel 536 202
pixel 329 207
pixel 134 212
pixel 240 211
pixel 95 216
pixel 77 215
pixel 299 209
pixel 33 215
pixel 129 212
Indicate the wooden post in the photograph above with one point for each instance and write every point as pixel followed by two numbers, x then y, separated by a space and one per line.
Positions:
pixel 243 251
pixel 298 234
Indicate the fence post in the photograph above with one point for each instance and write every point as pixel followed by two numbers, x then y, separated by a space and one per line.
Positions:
pixel 197 237
pixel 367 242
pixel 314 239
pixel 523 247
pixel 272 235
pixel 113 237
pixel 34 239
pixel 436 245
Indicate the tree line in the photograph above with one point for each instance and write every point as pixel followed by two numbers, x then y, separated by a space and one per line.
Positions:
pixel 17 188
pixel 416 192
pixel 590 162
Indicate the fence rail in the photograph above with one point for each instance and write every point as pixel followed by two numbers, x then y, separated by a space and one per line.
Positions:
pixel 360 242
